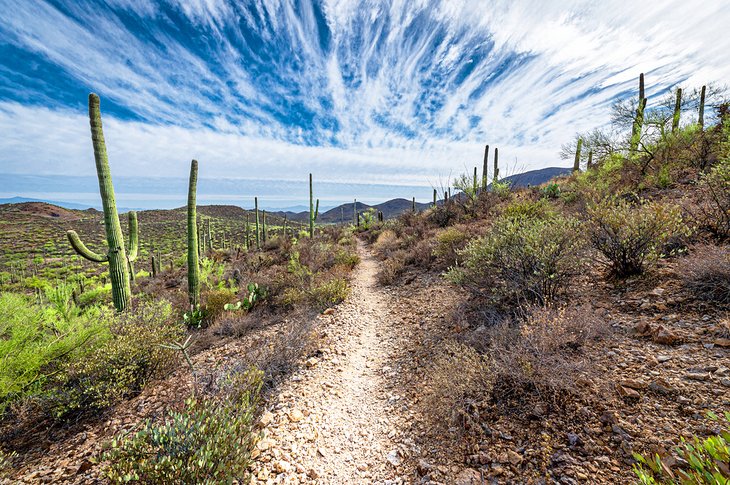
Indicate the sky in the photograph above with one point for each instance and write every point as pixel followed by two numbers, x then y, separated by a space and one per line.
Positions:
pixel 362 93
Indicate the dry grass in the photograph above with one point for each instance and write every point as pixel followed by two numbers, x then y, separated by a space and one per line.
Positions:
pixel 706 274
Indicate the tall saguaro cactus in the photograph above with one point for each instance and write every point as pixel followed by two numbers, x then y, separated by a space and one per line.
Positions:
pixel 589 165
pixel 116 256
pixel 355 219
pixel 677 111
pixel 313 211
pixel 639 118
pixel 701 119
pixel 485 168
pixel 495 178
pixel 193 267
pixel 435 194
pixel 258 235
pixel 576 162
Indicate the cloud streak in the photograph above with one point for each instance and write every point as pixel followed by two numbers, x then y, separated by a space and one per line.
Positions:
pixel 357 90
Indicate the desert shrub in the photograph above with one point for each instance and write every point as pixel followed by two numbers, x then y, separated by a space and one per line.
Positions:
pixel 714 204
pixel 550 191
pixel 631 235
pixel 6 463
pixel 329 293
pixel 392 268
pixel 97 296
pixel 706 274
pixel 521 259
pixel 443 215
pixel 420 253
pixel 701 461
pixel 528 209
pixel 448 243
pixel 128 359
pixel 215 302
pixel 502 189
pixel 386 243
pixel 209 442
pixel 446 397
pixel 540 356
pixel 33 340
pixel 347 257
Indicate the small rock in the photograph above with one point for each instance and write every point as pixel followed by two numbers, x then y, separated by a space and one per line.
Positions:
pixel 394 457
pixel 468 476
pixel 266 419
pixel 295 415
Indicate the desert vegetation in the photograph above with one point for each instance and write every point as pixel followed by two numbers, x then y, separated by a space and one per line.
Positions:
pixel 539 333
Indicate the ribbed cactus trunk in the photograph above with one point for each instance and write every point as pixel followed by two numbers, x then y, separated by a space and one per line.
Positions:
pixel 413 205
pixel 312 216
pixel 701 119
pixel 435 194
pixel 133 243
pixel 116 255
pixel 264 235
pixel 258 235
pixel 677 111
pixel 576 162
pixel 475 183
pixel 210 235
pixel 495 176
pixel 485 168
pixel 639 119
pixel 153 264
pixel 248 233
pixel 193 267
pixel 589 165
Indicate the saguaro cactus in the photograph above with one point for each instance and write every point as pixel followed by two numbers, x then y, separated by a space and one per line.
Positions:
pixel 589 165
pixel 576 162
pixel 475 183
pixel 313 211
pixel 193 268
pixel 485 168
pixel 701 119
pixel 355 219
pixel 264 235
pixel 258 235
pixel 639 119
pixel 413 205
pixel 495 178
pixel 677 111
pixel 116 255
pixel 435 194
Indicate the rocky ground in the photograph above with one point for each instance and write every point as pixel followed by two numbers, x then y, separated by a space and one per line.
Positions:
pixel 354 411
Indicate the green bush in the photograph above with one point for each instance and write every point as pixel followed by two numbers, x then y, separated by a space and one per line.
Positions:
pixel 448 243
pixel 714 204
pixel 209 442
pixel 128 359
pixel 703 461
pixel 521 259
pixel 347 257
pixel 631 235
pixel 550 191
pixel 329 293
pixel 34 339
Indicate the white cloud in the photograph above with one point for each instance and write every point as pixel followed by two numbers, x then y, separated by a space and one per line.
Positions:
pixel 577 56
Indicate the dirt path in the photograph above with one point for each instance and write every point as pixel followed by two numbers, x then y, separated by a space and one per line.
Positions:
pixel 335 420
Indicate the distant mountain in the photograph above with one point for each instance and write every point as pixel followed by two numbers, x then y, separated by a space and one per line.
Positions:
pixel 65 205
pixel 536 177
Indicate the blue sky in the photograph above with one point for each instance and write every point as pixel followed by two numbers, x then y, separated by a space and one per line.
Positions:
pixel 356 91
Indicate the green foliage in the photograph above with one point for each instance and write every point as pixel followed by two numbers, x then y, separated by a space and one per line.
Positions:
pixel 34 339
pixel 329 293
pixel 97 296
pixel 367 219
pixel 550 191
pixel 448 243
pixel 702 461
pixel 119 368
pixel 254 294
pixel 60 299
pixel 503 189
pixel 194 317
pixel 522 258
pixel 528 209
pixel 631 235
pixel 346 257
pixel 209 442
pixel 715 203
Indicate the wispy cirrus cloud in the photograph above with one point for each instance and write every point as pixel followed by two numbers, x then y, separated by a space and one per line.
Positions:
pixel 358 90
